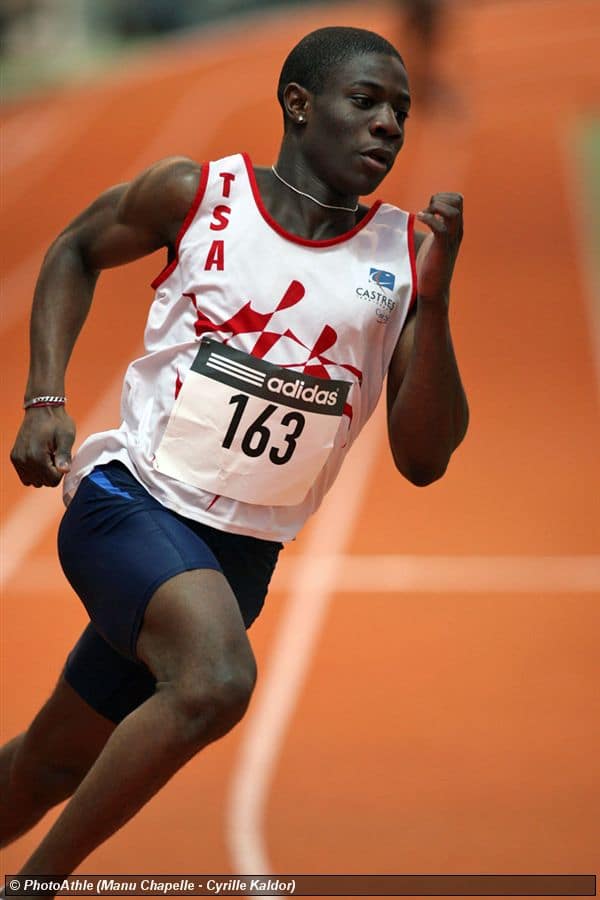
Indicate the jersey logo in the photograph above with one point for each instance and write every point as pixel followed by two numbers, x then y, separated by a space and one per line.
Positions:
pixel 382 278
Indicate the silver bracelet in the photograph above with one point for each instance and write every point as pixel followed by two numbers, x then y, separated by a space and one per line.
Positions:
pixel 45 400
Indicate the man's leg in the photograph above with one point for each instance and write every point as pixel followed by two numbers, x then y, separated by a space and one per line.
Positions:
pixel 194 642
pixel 45 764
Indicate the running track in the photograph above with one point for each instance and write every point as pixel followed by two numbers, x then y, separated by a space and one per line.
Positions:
pixel 428 699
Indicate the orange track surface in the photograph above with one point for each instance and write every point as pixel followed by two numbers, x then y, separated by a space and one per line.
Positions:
pixel 446 731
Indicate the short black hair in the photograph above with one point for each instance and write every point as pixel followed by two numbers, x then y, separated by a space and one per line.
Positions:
pixel 310 61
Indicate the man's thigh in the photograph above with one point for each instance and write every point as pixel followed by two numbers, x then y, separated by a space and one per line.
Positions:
pixel 193 631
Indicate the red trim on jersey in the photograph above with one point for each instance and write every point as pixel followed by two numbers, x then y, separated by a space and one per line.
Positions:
pixel 413 258
pixel 213 501
pixel 170 267
pixel 294 237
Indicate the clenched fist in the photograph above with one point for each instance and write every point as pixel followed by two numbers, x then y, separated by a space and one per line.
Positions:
pixel 42 451
pixel 437 254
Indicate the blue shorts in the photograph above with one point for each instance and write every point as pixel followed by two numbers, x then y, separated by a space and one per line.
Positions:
pixel 117 545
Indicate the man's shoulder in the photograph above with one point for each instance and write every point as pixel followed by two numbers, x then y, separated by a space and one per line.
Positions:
pixel 178 173
pixel 173 175
pixel 162 194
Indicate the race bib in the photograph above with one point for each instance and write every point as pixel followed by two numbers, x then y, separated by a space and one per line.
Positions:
pixel 249 430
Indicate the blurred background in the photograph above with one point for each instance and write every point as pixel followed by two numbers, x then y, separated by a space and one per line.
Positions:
pixel 67 39
pixel 428 698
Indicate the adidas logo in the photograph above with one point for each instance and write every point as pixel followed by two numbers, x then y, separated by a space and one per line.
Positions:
pixel 296 389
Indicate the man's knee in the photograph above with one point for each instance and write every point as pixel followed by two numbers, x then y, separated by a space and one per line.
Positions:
pixel 210 707
pixel 194 642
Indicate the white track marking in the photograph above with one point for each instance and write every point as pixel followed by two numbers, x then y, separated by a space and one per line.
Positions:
pixel 407 574
pixel 397 574
pixel 314 580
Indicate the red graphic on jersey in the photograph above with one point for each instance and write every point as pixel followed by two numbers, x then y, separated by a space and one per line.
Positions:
pixel 178 384
pixel 248 321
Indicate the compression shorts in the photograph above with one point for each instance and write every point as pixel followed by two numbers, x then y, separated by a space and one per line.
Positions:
pixel 117 545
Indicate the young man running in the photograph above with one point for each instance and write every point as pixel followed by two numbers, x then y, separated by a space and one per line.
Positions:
pixel 283 304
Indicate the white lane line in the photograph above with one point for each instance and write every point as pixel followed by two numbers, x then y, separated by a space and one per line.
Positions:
pixel 406 574
pixel 314 580
pixel 396 574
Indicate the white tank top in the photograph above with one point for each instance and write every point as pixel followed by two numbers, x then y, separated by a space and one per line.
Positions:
pixel 265 356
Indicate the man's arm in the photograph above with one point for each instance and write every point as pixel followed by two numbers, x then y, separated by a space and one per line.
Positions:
pixel 427 407
pixel 125 223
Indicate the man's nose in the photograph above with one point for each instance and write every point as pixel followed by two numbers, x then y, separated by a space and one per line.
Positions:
pixel 385 122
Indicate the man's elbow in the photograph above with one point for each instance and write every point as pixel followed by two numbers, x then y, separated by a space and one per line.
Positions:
pixel 423 475
pixel 422 465
pixel 419 471
pixel 69 250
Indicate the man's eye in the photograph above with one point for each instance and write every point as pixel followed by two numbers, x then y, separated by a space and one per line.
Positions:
pixel 362 101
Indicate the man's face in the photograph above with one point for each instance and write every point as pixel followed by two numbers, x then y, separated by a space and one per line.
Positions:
pixel 355 127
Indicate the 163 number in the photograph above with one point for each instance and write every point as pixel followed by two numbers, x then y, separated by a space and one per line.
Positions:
pixel 257 436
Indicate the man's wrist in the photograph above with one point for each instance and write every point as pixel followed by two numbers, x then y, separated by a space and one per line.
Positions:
pixel 44 400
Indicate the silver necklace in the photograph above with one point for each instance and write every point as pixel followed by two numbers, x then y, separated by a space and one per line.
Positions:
pixel 351 209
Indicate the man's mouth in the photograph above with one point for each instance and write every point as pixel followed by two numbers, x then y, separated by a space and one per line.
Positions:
pixel 379 159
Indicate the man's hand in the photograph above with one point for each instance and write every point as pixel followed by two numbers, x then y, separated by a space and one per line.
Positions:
pixel 437 254
pixel 42 451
